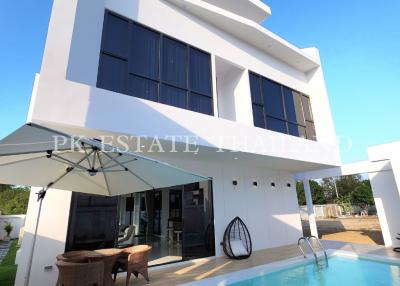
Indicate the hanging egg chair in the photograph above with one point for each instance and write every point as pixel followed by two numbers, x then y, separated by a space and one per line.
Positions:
pixel 237 240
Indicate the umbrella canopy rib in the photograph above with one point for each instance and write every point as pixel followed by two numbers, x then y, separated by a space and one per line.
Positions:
pixel 104 174
pixel 137 176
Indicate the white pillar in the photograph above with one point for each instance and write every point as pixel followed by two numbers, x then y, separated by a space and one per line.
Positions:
pixel 310 208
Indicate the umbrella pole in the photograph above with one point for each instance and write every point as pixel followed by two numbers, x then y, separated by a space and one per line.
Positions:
pixel 41 196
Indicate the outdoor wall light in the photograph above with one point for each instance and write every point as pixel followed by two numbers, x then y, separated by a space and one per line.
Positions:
pixel 234 182
pixel 273 184
pixel 255 184
pixel 288 185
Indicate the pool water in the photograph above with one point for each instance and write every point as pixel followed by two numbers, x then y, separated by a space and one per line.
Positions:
pixel 341 271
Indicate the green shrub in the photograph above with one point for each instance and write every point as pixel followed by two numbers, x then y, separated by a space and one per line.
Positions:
pixel 8 228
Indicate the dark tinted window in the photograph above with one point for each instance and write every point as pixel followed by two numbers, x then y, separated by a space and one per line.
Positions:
pixel 298 107
pixel 289 104
pixel 307 108
pixel 310 130
pixel 112 73
pixel 200 103
pixel 116 36
pixel 255 88
pixel 137 61
pixel 142 88
pixel 294 111
pixel 273 102
pixel 276 125
pixel 144 52
pixel 200 72
pixel 258 115
pixel 173 96
pixel 281 109
pixel 297 130
pixel 174 66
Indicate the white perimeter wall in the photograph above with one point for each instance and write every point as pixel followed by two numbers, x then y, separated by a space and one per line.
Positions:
pixel 52 232
pixel 386 189
pixel 387 202
pixel 17 221
pixel 271 215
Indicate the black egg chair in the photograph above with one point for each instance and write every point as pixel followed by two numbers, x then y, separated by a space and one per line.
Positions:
pixel 237 231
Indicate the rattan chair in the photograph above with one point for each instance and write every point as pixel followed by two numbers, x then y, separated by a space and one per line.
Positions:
pixel 78 256
pixel 80 274
pixel 133 260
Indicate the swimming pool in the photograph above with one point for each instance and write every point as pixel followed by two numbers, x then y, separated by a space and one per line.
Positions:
pixel 345 268
pixel 341 271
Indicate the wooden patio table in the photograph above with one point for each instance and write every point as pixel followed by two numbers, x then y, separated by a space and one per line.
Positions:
pixel 108 256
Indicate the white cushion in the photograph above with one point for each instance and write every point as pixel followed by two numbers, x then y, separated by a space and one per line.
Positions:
pixel 238 248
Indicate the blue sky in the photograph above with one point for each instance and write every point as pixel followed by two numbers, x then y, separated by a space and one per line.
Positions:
pixel 359 42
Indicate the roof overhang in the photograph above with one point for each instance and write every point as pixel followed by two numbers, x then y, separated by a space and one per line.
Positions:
pixel 363 167
pixel 254 10
pixel 143 145
pixel 250 32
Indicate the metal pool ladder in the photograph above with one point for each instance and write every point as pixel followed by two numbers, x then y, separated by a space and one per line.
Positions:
pixel 314 250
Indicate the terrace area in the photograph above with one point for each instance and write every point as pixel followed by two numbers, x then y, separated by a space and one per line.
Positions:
pixel 211 267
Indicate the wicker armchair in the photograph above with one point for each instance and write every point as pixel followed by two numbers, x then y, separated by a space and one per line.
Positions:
pixel 80 274
pixel 78 256
pixel 133 260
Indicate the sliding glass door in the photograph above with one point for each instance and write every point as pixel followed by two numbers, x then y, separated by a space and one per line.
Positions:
pixel 198 221
pixel 177 222
pixel 92 222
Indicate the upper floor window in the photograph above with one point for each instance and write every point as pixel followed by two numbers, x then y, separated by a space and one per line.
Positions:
pixel 141 62
pixel 279 108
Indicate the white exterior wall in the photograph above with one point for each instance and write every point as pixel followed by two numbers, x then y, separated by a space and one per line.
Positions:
pixel 66 92
pixel 271 214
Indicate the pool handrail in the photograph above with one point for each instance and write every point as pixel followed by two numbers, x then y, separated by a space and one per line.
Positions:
pixel 308 239
pixel 320 246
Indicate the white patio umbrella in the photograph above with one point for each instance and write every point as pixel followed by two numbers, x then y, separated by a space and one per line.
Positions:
pixel 38 156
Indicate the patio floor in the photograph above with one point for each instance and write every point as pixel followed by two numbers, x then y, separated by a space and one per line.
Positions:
pixel 205 268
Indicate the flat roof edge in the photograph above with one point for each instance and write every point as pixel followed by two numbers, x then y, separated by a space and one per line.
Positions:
pixel 251 33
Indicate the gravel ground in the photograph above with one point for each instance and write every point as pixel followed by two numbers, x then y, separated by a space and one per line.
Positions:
pixel 365 230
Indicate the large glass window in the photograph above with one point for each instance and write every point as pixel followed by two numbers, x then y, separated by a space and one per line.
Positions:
pixel 257 100
pixel 281 109
pixel 199 72
pixel 174 62
pixel 116 34
pixel 144 56
pixel 144 63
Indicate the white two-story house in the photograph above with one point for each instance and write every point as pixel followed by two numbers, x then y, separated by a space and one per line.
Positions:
pixel 205 82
